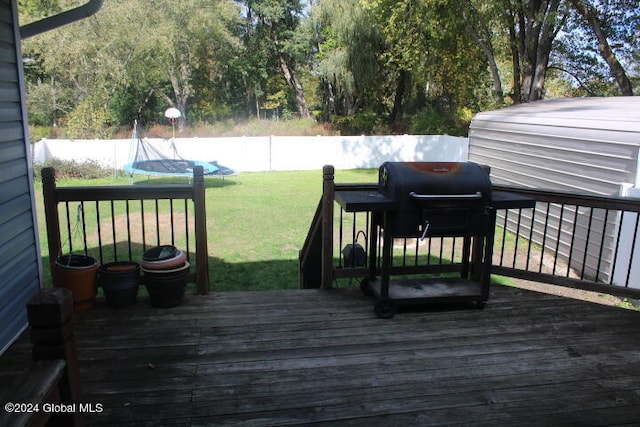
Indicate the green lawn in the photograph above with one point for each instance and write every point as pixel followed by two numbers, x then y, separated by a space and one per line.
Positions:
pixel 256 223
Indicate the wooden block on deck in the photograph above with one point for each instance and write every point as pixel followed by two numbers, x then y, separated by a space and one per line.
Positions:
pixel 57 335
pixel 50 308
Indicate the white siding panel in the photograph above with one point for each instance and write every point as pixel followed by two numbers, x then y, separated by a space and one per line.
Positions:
pixel 582 113
pixel 585 145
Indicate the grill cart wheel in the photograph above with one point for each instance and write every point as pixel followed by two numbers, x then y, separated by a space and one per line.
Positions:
pixel 480 305
pixel 385 308
pixel 365 288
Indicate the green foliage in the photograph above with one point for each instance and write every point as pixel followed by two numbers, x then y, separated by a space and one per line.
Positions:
pixel 431 121
pixel 349 50
pixel 363 123
pixel 87 119
pixel 36 133
pixel 367 65
pixel 38 9
pixel 277 47
pixel 67 169
pixel 39 104
pixel 138 103
pixel 122 62
pixel 575 51
pixel 209 112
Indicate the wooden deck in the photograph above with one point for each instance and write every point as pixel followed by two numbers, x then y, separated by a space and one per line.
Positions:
pixel 279 358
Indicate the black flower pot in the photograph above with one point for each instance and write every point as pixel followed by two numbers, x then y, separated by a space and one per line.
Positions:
pixel 166 287
pixel 120 281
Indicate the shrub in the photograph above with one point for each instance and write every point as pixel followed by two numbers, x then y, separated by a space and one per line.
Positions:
pixel 363 123
pixel 432 121
pixel 88 121
pixel 36 133
pixel 65 169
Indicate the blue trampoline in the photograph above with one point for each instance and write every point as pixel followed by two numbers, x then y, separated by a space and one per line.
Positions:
pixel 162 158
pixel 176 167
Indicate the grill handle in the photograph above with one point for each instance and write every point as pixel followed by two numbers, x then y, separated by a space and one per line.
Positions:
pixel 477 195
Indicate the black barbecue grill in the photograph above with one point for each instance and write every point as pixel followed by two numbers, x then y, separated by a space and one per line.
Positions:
pixel 443 199
pixel 424 200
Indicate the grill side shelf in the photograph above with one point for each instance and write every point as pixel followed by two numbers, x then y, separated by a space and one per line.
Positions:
pixel 364 200
pixel 506 200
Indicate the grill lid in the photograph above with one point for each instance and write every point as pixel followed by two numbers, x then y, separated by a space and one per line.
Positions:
pixel 435 198
pixel 432 181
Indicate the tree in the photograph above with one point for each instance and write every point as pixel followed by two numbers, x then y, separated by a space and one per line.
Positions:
pixel 272 26
pixel 537 23
pixel 395 63
pixel 480 18
pixel 430 55
pixel 349 50
pixel 122 62
pixel 592 16
pixel 550 35
pixel 192 29
pixel 90 62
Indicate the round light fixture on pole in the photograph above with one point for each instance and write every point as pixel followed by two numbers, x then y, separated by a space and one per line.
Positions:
pixel 173 114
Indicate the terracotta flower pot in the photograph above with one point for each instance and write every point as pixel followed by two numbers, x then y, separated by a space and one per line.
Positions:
pixel 78 273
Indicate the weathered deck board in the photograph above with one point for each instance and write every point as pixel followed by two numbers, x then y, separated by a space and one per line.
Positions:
pixel 278 358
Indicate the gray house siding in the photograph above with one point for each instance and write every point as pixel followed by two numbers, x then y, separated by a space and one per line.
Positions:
pixel 561 144
pixel 20 271
pixel 584 145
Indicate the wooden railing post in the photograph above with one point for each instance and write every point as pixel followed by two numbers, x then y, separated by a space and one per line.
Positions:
pixel 50 315
pixel 202 253
pixel 51 213
pixel 328 196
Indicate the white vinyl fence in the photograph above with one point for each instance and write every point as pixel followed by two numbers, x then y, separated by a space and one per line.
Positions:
pixel 270 152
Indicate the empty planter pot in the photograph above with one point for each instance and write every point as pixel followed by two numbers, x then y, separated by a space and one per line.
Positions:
pixel 120 281
pixel 165 257
pixel 78 273
pixel 166 287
